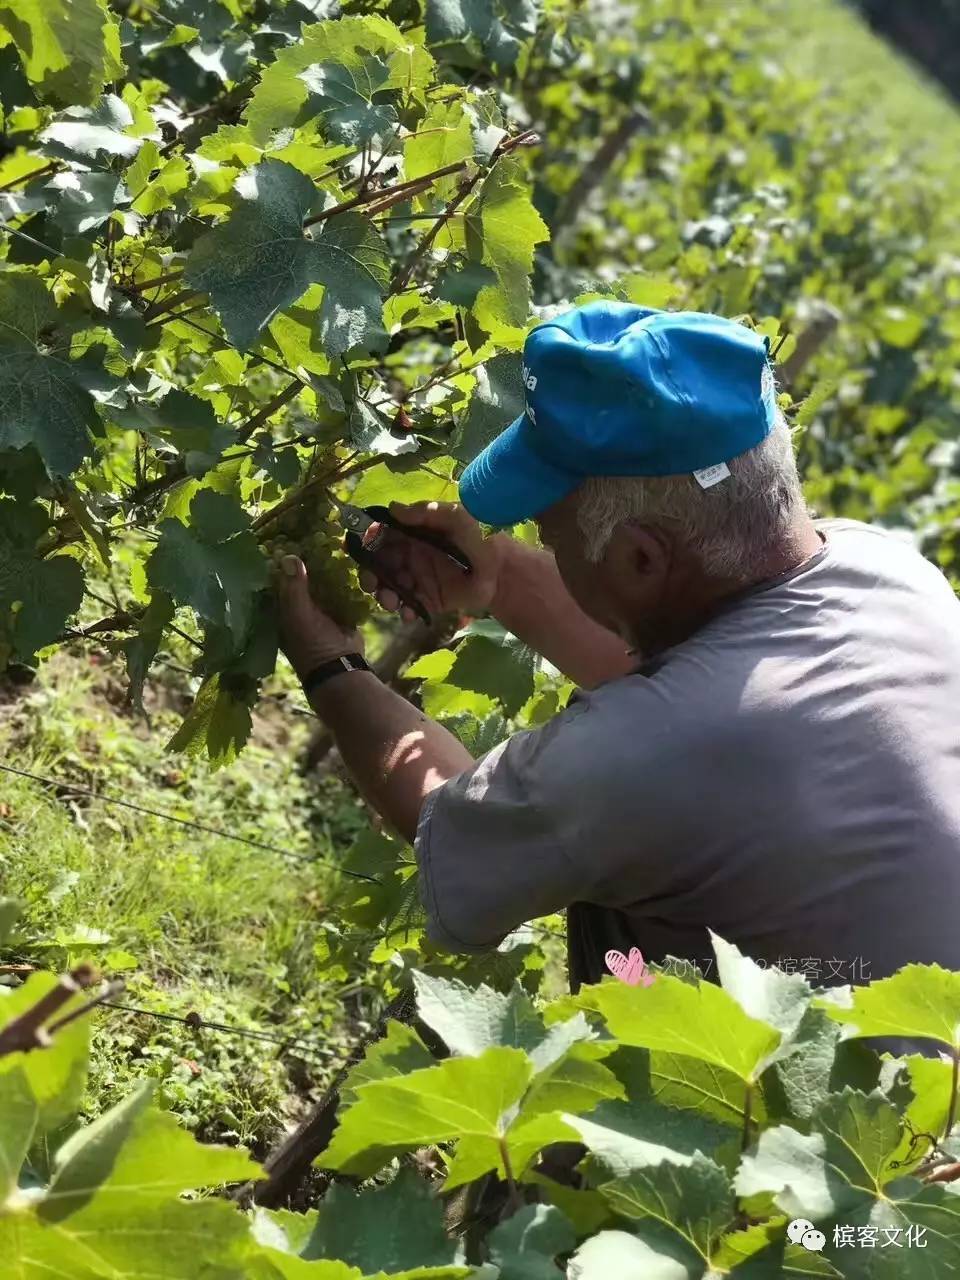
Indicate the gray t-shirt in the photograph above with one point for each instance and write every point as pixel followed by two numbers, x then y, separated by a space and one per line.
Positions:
pixel 788 777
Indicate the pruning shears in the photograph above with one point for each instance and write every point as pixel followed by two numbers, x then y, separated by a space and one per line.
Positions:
pixel 357 520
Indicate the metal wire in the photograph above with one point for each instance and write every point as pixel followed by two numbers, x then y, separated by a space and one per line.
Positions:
pixel 197 1023
pixel 187 822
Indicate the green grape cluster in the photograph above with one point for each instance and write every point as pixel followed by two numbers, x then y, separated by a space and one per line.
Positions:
pixel 306 531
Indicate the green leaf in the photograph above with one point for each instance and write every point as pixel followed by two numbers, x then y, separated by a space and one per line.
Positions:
pixel 370 432
pixel 501 667
pixel 617 1253
pixel 460 1098
pixel 380 485
pixel 641 1130
pixel 695 1201
pixel 397 1053
pixel 478 22
pixel 82 134
pixel 42 399
pixel 19 1110
pixel 279 99
pixel 461 284
pixel 158 193
pixel 56 1077
pixel 696 1019
pixel 576 1082
pixel 444 137
pixel 70 48
pixel 185 421
pixel 919 1001
pixel 84 201
pixel 832 1170
pixel 526 1245
pixel 767 994
pixel 391 1229
pixel 141 648
pixel 259 261
pixel 140 1154
pixel 471 1021
pixel 478 735
pixel 213 564
pixel 502 230
pixel 218 722
pixel 204 1238
pixel 41 594
pixel 496 401
pixel 343 96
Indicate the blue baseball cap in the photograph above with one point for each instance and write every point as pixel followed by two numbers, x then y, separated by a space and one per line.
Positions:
pixel 613 389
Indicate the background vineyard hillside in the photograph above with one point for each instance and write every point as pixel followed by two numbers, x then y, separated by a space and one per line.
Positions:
pixel 772 161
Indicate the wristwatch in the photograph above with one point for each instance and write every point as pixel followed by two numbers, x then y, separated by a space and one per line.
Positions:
pixel 319 674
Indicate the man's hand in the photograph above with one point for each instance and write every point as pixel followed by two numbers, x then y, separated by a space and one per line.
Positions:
pixel 307 635
pixel 419 568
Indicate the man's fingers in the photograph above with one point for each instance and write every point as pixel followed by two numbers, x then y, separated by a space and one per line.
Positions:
pixel 294 592
pixel 388 599
pixel 293 574
pixel 432 515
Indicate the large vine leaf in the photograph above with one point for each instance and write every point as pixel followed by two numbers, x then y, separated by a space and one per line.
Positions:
pixel 495 403
pixel 259 261
pixel 281 96
pixel 689 1206
pixel 502 229
pixel 70 48
pixel 842 1174
pixel 492 661
pixel 640 1129
pixel 397 1227
pixel 470 1020
pixel 526 1245
pixel 461 1098
pixel 42 398
pixel 620 1254
pixel 212 564
pixel 919 1001
pixel 344 97
pixel 37 595
pixel 697 1019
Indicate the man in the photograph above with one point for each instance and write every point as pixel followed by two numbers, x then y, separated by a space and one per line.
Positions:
pixel 766 737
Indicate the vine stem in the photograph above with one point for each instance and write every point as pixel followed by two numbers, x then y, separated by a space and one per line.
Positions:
pixel 747 1108
pixel 143 286
pixel 28 177
pixel 954 1083
pixel 279 400
pixel 388 196
pixel 515 1198
pixel 167 304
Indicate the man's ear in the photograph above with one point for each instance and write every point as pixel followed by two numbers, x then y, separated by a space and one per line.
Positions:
pixel 636 558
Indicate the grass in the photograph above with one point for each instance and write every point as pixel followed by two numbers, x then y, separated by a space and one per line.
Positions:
pixel 193 922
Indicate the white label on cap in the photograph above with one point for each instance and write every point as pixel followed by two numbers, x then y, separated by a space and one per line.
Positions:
pixel 710 476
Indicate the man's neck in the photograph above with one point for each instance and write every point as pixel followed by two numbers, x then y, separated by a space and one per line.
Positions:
pixel 702 598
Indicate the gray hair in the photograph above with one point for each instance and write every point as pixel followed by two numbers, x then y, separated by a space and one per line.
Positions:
pixel 732 527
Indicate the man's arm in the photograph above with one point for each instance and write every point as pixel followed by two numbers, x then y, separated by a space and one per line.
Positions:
pixel 395 754
pixel 519 585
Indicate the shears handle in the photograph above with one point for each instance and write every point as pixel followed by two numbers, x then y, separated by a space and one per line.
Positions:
pixel 429 536
pixel 366 556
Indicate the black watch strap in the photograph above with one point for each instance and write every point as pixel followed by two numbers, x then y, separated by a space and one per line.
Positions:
pixel 346 662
